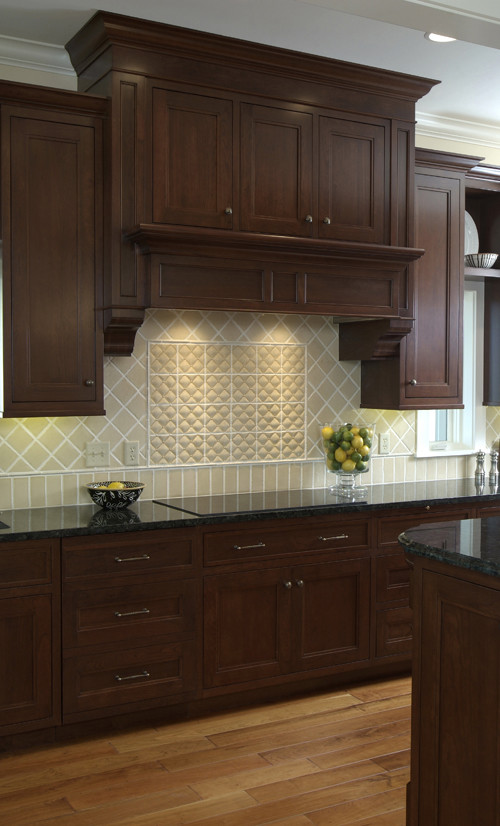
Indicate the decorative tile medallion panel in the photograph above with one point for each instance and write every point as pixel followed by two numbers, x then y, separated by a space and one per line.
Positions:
pixel 213 403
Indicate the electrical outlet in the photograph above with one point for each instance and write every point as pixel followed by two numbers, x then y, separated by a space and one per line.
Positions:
pixel 384 444
pixel 97 454
pixel 131 453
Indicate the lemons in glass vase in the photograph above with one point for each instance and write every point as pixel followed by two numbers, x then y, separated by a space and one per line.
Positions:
pixel 348 449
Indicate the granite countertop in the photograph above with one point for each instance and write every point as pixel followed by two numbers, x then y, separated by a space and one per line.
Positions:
pixel 79 520
pixel 466 543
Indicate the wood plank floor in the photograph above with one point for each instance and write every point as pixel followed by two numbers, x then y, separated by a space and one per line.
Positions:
pixel 338 758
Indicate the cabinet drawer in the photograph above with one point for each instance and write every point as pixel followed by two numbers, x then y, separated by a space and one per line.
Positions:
pixel 225 547
pixel 140 554
pixel 390 527
pixel 101 615
pixel 392 577
pixel 394 630
pixel 26 563
pixel 119 679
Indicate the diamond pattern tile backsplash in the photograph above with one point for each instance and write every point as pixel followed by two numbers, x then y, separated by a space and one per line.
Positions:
pixel 216 401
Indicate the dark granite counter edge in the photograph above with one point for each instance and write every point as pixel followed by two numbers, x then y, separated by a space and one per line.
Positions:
pixel 470 563
pixel 177 518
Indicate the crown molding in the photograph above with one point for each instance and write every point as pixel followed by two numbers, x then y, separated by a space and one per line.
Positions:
pixel 41 57
pixel 474 132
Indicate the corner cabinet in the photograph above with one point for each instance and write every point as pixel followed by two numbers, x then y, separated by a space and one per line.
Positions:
pixel 424 370
pixel 52 218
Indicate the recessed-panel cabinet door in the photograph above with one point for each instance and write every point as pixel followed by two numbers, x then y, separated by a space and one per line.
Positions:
pixel 433 369
pixel 192 159
pixel 51 255
pixel 276 170
pixel 26 656
pixel 246 635
pixel 331 613
pixel 353 181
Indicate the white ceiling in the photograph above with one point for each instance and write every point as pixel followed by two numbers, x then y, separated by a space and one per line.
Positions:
pixel 382 33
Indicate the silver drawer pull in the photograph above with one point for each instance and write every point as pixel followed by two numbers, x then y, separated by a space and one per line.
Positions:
pixel 328 538
pixel 132 676
pixel 131 613
pixel 132 558
pixel 248 547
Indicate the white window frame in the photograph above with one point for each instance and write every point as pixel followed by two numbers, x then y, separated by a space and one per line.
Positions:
pixel 466 428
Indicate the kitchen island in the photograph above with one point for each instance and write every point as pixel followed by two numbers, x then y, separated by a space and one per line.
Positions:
pixel 455 753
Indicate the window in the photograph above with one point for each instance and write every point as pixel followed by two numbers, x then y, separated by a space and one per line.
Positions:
pixel 457 432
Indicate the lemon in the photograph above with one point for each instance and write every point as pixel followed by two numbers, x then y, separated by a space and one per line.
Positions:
pixel 348 465
pixel 327 432
pixel 357 442
pixel 340 455
pixel 116 486
pixel 364 450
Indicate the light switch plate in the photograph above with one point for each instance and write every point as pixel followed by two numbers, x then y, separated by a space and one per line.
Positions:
pixel 97 454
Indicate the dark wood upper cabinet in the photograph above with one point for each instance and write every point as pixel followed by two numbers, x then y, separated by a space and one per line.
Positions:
pixel 211 137
pixel 192 180
pixel 276 187
pixel 425 369
pixel 353 196
pixel 52 250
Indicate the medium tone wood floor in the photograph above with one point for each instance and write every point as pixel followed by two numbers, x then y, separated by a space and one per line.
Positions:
pixel 338 758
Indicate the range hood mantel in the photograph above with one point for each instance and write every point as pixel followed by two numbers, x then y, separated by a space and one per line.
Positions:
pixel 165 238
pixel 214 270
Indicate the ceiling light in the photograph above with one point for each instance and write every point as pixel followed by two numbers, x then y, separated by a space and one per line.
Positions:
pixel 438 38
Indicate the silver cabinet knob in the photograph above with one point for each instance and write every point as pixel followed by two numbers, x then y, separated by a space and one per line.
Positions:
pixel 299 583
pixel 308 219
pixel 413 382
pixel 287 584
pixel 228 211
pixel 326 220
pixel 89 382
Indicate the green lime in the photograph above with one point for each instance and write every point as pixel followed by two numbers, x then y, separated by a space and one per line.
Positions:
pixel 360 465
pixel 356 457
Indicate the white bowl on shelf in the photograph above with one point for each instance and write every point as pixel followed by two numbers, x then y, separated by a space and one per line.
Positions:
pixel 484 260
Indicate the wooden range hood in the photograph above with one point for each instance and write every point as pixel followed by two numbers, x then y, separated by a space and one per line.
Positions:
pixel 248 177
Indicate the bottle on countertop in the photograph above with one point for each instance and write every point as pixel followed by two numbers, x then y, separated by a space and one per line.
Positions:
pixel 479 472
pixel 493 476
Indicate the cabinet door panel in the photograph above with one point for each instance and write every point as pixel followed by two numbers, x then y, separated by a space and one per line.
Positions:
pixel 276 170
pixel 192 159
pixel 246 622
pixel 352 180
pixel 53 263
pixel 331 613
pixel 455 771
pixel 434 347
pixel 25 653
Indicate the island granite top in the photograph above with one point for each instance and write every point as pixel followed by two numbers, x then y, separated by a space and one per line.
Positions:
pixel 79 520
pixel 466 543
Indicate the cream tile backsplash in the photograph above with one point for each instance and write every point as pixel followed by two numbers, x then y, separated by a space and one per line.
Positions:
pixel 218 402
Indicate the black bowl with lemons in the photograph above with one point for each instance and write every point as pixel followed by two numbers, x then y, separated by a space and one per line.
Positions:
pixel 114 495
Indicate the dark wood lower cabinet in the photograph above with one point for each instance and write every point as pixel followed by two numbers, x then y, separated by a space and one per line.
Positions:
pixel 180 619
pixel 29 636
pixel 262 624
